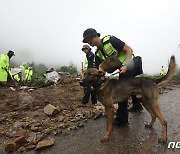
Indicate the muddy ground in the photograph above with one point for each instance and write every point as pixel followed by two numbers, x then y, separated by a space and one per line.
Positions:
pixel 74 126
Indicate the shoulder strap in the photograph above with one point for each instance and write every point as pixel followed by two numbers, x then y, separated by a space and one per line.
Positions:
pixel 105 40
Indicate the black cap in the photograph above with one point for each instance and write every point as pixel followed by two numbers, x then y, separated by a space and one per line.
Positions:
pixel 10 52
pixel 88 33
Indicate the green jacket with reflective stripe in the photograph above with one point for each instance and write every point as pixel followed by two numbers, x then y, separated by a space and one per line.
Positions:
pixel 4 67
pixel 28 73
pixel 162 71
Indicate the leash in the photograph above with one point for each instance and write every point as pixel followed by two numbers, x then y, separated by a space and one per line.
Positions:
pixel 115 73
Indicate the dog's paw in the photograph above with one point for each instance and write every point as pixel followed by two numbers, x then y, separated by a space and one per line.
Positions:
pixel 162 140
pixel 104 139
pixel 147 126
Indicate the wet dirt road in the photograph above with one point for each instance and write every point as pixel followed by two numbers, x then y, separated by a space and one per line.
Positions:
pixel 135 139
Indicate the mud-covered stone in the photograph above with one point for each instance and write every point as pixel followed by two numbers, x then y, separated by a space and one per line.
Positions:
pixel 60 118
pixel 20 133
pixel 15 143
pixel 21 124
pixel 45 143
pixel 51 110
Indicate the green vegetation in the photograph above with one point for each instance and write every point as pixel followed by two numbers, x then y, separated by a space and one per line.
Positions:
pixel 71 69
pixel 38 79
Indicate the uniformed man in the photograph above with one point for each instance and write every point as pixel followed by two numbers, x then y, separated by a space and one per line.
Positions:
pixel 110 46
pixel 89 63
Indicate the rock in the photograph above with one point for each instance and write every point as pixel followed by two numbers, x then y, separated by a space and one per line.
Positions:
pixel 76 119
pixel 45 143
pixel 58 108
pixel 46 131
pixel 2 119
pixel 60 118
pixel 40 136
pixel 21 149
pixel 51 110
pixel 18 139
pixel 32 138
pixel 55 133
pixel 72 128
pixel 87 113
pixel 30 147
pixel 36 127
pixel 63 125
pixel 80 125
pixel 37 107
pixel 10 133
pixel 21 124
pixel 160 92
pixel 15 143
pixel 37 124
pixel 99 108
pixel 20 133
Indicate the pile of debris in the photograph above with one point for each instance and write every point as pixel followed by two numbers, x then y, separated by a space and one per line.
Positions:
pixel 31 118
pixel 27 134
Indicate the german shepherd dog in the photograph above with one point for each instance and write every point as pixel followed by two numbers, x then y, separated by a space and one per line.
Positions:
pixel 110 91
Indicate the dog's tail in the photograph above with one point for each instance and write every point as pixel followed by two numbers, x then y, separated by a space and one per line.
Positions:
pixel 171 71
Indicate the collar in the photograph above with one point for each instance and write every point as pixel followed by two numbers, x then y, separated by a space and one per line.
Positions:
pixel 99 86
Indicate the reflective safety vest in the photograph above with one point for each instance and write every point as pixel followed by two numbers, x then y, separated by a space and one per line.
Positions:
pixel 28 73
pixel 22 66
pixel 85 64
pixel 110 51
pixel 4 67
pixel 162 71
pixel 16 77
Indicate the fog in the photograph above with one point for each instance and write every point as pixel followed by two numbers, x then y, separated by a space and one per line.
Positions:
pixel 51 31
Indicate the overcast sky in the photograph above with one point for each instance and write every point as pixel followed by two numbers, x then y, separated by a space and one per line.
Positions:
pixel 51 31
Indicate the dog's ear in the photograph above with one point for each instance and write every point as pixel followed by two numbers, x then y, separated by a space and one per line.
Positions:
pixel 101 73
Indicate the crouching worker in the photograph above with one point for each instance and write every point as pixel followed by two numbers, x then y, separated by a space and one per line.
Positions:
pixel 5 72
pixel 89 63
pixel 29 73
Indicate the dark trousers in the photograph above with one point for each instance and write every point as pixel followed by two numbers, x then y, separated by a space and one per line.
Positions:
pixel 134 69
pixel 87 93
